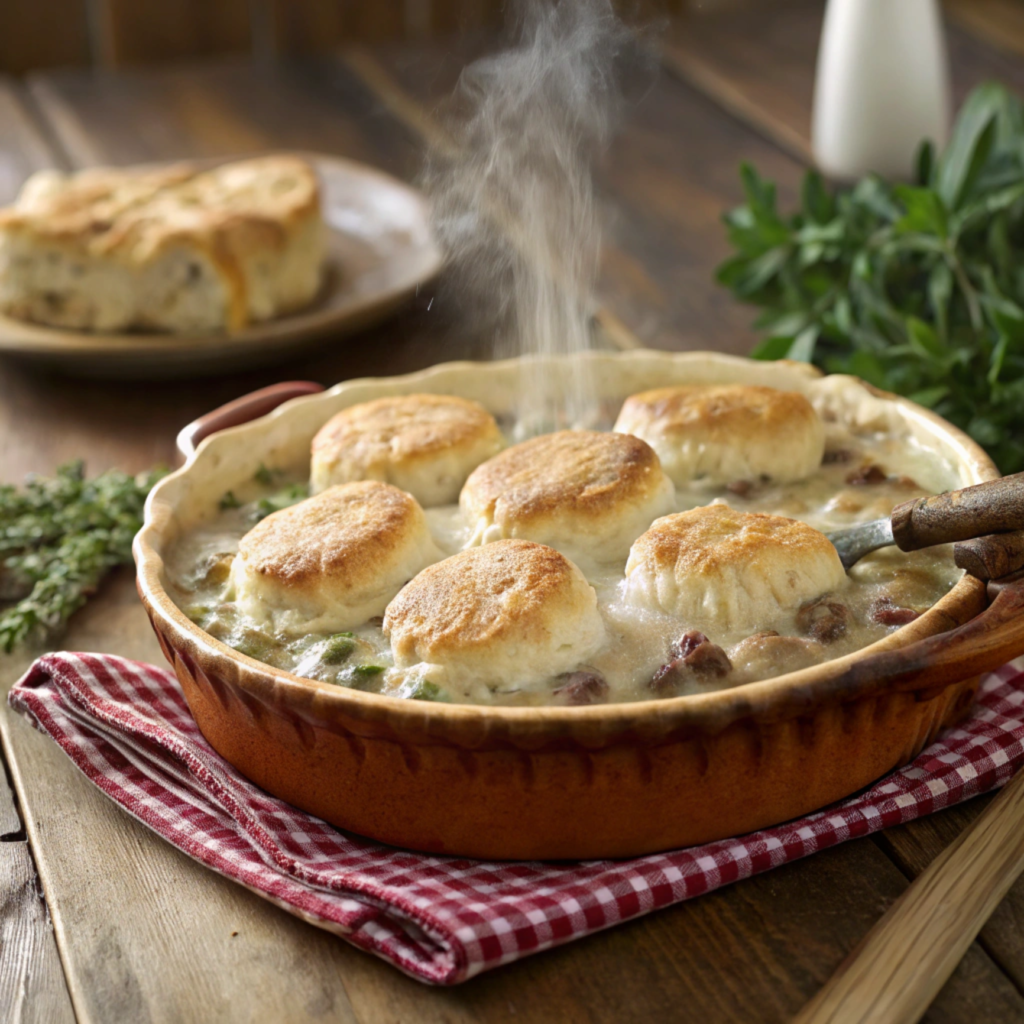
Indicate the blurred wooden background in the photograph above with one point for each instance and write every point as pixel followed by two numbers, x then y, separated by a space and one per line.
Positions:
pixel 38 34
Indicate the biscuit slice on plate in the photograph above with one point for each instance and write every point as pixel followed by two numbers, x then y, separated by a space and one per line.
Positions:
pixel 173 249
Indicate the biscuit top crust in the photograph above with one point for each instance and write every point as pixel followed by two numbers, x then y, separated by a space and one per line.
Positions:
pixel 713 540
pixel 511 589
pixel 588 473
pixel 721 414
pixel 136 214
pixel 344 533
pixel 402 429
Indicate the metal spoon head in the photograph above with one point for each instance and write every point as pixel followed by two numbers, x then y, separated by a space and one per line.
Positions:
pixel 857 541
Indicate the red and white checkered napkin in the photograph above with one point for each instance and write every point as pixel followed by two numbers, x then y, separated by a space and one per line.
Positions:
pixel 444 919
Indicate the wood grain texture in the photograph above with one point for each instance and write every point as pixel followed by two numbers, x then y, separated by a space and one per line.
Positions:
pixel 892 977
pixel 32 989
pixel 42 35
pixel 144 31
pixel 993 507
pixel 746 953
pixel 190 946
pixel 23 148
pixel 10 820
pixel 662 198
pixel 757 61
pixel 989 558
pixel 315 26
pixel 211 109
pixel 998 23
pixel 753 952
pixel 915 845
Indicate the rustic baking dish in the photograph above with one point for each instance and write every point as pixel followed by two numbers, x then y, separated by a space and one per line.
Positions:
pixel 574 782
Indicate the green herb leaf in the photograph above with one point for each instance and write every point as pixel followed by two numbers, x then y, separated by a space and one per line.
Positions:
pixel 918 289
pixel 291 495
pixel 264 476
pixel 971 143
pixel 59 537
pixel 426 690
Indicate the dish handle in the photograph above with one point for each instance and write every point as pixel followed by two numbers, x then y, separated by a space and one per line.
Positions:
pixel 242 410
pixel 926 667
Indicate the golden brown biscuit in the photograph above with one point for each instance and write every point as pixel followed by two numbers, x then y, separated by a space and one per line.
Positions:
pixel 586 494
pixel 722 435
pixel 333 561
pixel 175 249
pixel 513 614
pixel 728 573
pixel 425 444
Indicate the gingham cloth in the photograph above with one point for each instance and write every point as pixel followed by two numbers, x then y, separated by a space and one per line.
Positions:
pixel 445 919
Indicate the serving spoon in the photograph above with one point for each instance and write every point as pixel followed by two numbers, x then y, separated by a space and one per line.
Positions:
pixel 995 507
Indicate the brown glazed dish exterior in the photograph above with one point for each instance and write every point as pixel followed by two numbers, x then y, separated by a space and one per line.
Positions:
pixel 559 782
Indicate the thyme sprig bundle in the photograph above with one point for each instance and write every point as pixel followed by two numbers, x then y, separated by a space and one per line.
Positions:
pixel 59 536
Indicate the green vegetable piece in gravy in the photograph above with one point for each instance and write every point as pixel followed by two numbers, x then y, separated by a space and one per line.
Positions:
pixel 339 648
pixel 228 501
pixel 257 645
pixel 361 677
pixel 218 569
pixel 426 690
pixel 197 612
pixel 366 671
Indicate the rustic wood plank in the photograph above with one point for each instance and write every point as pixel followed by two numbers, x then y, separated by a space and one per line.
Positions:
pixel 899 968
pixel 142 31
pixel 10 821
pixel 915 845
pixel 662 197
pixel 315 26
pixel 198 110
pixel 751 953
pixel 145 932
pixel 999 23
pixel 757 62
pixel 23 149
pixel 41 35
pixel 32 988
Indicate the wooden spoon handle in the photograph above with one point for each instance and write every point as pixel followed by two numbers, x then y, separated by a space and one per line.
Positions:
pixel 895 973
pixel 993 507
pixel 991 557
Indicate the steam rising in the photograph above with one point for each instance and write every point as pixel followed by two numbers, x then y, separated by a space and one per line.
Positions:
pixel 513 195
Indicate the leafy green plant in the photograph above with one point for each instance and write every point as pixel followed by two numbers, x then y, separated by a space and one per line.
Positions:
pixel 59 537
pixel 918 288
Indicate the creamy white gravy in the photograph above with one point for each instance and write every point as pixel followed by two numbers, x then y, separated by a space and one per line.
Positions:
pixel 882 591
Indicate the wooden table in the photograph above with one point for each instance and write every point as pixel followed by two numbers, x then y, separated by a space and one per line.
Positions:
pixel 100 920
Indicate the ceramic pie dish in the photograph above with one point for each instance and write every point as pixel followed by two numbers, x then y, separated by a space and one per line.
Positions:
pixel 609 780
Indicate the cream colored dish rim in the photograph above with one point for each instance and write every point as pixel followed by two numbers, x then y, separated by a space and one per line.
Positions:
pixel 281 439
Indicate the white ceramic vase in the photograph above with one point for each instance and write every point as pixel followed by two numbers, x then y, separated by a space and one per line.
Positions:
pixel 882 86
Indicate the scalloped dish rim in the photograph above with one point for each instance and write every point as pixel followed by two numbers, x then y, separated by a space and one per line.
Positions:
pixel 175 496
